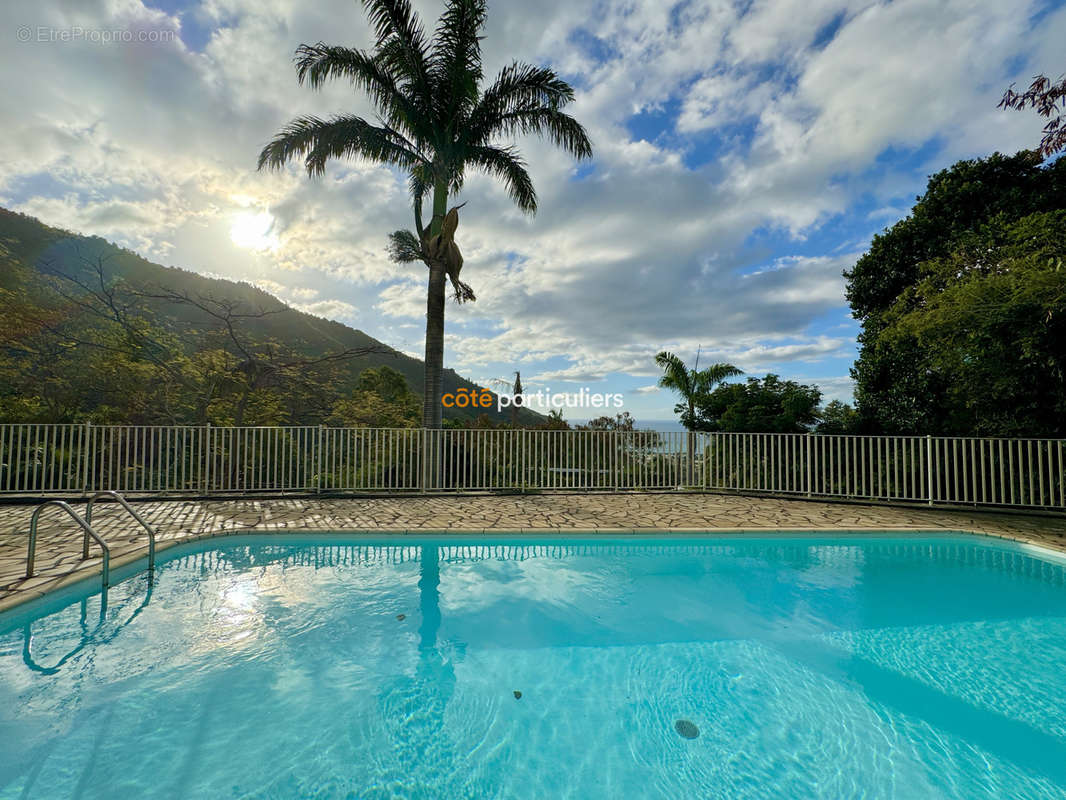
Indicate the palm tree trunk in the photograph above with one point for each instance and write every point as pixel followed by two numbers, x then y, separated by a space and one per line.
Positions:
pixel 690 470
pixel 431 405
pixel 690 439
pixel 434 377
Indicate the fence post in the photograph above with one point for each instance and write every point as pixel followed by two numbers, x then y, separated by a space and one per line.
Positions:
pixel 422 467
pixel 810 482
pixel 929 466
pixel 523 450
pixel 85 457
pixel 321 445
pixel 207 458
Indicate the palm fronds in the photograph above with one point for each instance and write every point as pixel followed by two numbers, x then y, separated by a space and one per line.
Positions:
pixel 455 59
pixel 435 120
pixel 404 247
pixel 713 375
pixel 318 140
pixel 676 375
pixel 527 99
pixel 505 163
pixel 691 382
pixel 401 45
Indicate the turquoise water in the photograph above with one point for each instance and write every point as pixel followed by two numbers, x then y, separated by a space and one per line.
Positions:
pixel 331 668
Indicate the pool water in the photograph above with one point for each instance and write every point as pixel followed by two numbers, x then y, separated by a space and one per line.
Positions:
pixel 695 667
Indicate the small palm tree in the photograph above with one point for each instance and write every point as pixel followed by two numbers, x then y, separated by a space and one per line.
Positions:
pixel 690 384
pixel 435 121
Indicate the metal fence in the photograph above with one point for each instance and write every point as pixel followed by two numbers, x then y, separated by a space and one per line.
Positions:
pixel 206 460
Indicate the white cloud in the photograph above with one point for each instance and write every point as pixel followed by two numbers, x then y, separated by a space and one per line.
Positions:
pixel 330 309
pixel 838 388
pixel 402 300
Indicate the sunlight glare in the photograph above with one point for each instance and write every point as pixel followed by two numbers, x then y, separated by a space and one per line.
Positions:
pixel 253 230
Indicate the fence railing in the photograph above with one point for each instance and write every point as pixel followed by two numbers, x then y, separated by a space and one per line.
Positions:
pixel 205 460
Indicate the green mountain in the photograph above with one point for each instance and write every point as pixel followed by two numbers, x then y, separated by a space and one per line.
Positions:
pixel 83 301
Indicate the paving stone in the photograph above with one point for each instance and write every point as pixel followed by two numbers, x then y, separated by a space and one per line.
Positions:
pixel 58 558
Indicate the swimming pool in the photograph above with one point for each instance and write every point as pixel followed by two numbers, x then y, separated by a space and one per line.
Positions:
pixel 915 666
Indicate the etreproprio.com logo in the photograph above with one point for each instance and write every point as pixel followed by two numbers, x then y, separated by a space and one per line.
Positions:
pixel 483 398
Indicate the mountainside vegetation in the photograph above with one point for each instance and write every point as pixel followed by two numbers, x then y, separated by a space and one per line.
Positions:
pixel 95 332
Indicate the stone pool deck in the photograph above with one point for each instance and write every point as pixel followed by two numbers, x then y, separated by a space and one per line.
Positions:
pixel 58 560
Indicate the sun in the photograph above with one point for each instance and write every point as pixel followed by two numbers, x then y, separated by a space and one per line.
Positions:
pixel 253 230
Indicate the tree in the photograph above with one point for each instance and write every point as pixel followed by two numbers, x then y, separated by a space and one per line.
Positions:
pixel 837 418
pixel 381 399
pixel 767 405
pixel 555 422
pixel 1049 100
pixel 989 322
pixel 260 365
pixel 691 384
pixel 898 390
pixel 619 422
pixel 435 122
pixel 957 201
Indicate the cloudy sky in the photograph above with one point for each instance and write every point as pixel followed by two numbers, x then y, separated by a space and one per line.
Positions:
pixel 745 153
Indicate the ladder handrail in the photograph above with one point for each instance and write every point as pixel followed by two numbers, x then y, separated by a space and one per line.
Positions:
pixel 122 501
pixel 106 573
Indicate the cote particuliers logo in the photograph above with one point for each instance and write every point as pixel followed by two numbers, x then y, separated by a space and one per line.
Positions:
pixel 483 398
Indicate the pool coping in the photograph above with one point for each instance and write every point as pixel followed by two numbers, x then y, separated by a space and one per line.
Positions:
pixel 91 567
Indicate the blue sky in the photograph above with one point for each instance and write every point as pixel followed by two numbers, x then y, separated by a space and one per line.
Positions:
pixel 745 153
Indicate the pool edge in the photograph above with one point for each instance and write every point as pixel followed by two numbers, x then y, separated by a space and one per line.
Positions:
pixel 91 568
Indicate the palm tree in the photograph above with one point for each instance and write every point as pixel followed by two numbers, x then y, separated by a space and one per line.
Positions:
pixel 690 384
pixel 435 120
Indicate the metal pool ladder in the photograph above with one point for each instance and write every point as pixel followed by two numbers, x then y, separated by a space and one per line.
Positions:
pixel 88 531
pixel 140 520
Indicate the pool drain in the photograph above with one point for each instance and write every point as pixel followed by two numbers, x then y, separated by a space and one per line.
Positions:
pixel 686 729
pixel 517 695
